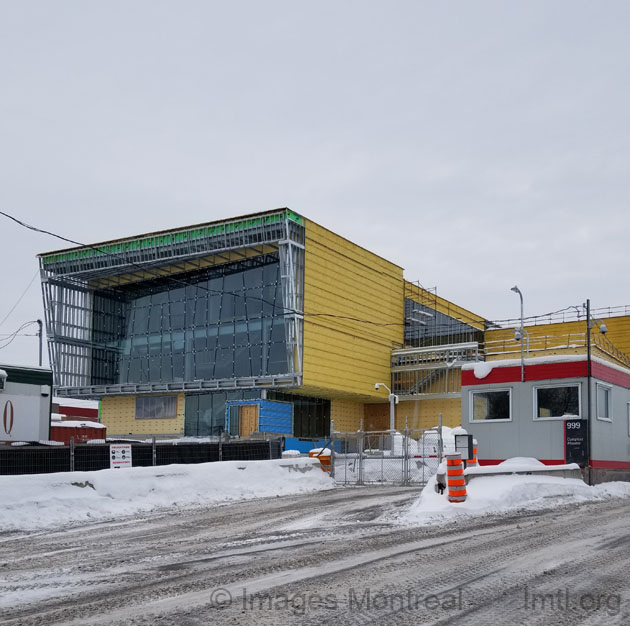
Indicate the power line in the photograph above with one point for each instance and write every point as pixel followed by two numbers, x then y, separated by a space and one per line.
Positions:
pixel 11 338
pixel 6 317
pixel 286 310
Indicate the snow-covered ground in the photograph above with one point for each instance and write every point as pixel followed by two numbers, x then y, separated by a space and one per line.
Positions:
pixel 488 495
pixel 47 500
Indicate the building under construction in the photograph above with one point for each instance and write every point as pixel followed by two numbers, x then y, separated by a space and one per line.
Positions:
pixel 169 328
pixel 271 323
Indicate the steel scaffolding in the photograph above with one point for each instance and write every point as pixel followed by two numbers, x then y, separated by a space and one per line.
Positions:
pixel 71 278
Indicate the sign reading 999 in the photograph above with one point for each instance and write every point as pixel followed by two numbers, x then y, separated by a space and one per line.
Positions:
pixel 576 442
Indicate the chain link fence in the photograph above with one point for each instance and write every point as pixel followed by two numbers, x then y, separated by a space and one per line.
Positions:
pixel 406 457
pixel 45 459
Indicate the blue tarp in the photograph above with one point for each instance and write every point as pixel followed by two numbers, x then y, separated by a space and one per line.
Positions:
pixel 273 417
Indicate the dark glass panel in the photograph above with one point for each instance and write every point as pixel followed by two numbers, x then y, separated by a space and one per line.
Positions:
pixel 182 326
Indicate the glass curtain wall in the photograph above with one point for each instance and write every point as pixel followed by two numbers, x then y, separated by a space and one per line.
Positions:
pixel 433 328
pixel 223 322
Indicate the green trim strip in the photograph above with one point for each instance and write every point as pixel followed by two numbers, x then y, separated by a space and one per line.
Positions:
pixel 170 238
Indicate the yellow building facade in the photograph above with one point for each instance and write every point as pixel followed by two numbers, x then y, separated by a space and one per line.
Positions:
pixel 269 306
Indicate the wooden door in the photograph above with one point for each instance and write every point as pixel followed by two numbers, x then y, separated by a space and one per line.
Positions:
pixel 249 419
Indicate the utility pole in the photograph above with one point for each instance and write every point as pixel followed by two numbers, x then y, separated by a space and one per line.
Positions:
pixel 589 426
pixel 40 335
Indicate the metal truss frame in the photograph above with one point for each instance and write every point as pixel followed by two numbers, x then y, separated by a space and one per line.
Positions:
pixel 69 280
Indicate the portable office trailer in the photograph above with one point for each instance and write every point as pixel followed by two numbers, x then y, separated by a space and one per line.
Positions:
pixel 546 416
pixel 25 402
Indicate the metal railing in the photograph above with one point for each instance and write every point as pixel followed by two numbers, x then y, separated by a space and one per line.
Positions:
pixel 575 342
pixel 569 314
pixel 431 371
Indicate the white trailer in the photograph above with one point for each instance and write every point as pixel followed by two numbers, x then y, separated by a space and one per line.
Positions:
pixel 25 403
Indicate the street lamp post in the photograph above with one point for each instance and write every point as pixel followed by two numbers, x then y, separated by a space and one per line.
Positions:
pixel 393 399
pixel 590 324
pixel 515 289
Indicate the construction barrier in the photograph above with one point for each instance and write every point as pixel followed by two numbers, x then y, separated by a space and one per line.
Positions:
pixel 322 456
pixel 473 462
pixel 455 480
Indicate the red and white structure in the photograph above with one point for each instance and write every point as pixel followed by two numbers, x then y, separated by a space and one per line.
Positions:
pixel 547 415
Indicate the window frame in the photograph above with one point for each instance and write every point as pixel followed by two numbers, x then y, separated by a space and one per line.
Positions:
pixel 471 406
pixel 556 386
pixel 608 389
pixel 155 397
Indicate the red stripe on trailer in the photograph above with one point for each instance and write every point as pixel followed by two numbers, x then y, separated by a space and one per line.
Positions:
pixel 610 375
pixel 541 371
pixel 543 461
pixel 610 464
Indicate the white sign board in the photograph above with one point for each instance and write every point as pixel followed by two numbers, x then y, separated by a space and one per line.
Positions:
pixel 120 455
pixel 463 444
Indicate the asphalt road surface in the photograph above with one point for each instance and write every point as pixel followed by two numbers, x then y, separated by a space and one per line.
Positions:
pixel 335 557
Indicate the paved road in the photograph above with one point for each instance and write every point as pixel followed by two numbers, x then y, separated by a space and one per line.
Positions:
pixel 330 558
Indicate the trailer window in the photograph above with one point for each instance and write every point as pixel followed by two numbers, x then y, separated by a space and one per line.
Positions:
pixel 604 409
pixel 491 405
pixel 558 401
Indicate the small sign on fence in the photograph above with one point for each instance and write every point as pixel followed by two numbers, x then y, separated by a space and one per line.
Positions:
pixel 464 445
pixel 119 455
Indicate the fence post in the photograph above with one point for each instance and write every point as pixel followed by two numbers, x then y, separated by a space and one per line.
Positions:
pixel 72 454
pixel 270 450
pixel 360 452
pixel 153 451
pixel 424 455
pixel 332 449
pixel 221 447
pixel 440 440
pixel 406 453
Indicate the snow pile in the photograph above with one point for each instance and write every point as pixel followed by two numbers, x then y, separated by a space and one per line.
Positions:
pixel 44 500
pixel 428 444
pixel 291 454
pixel 519 464
pixel 78 424
pixel 491 495
pixel 320 451
pixel 481 369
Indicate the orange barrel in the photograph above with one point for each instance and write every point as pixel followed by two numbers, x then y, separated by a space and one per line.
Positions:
pixel 322 457
pixel 455 480
pixel 473 462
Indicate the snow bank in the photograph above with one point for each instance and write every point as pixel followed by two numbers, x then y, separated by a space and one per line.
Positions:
pixel 489 495
pixel 46 500
pixel 78 424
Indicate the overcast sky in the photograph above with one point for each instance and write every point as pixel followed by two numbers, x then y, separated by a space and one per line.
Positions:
pixel 476 144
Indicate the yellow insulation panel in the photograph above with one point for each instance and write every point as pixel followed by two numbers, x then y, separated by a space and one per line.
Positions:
pixel 425 413
pixel 353 304
pixel 415 413
pixel 118 413
pixel 347 415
